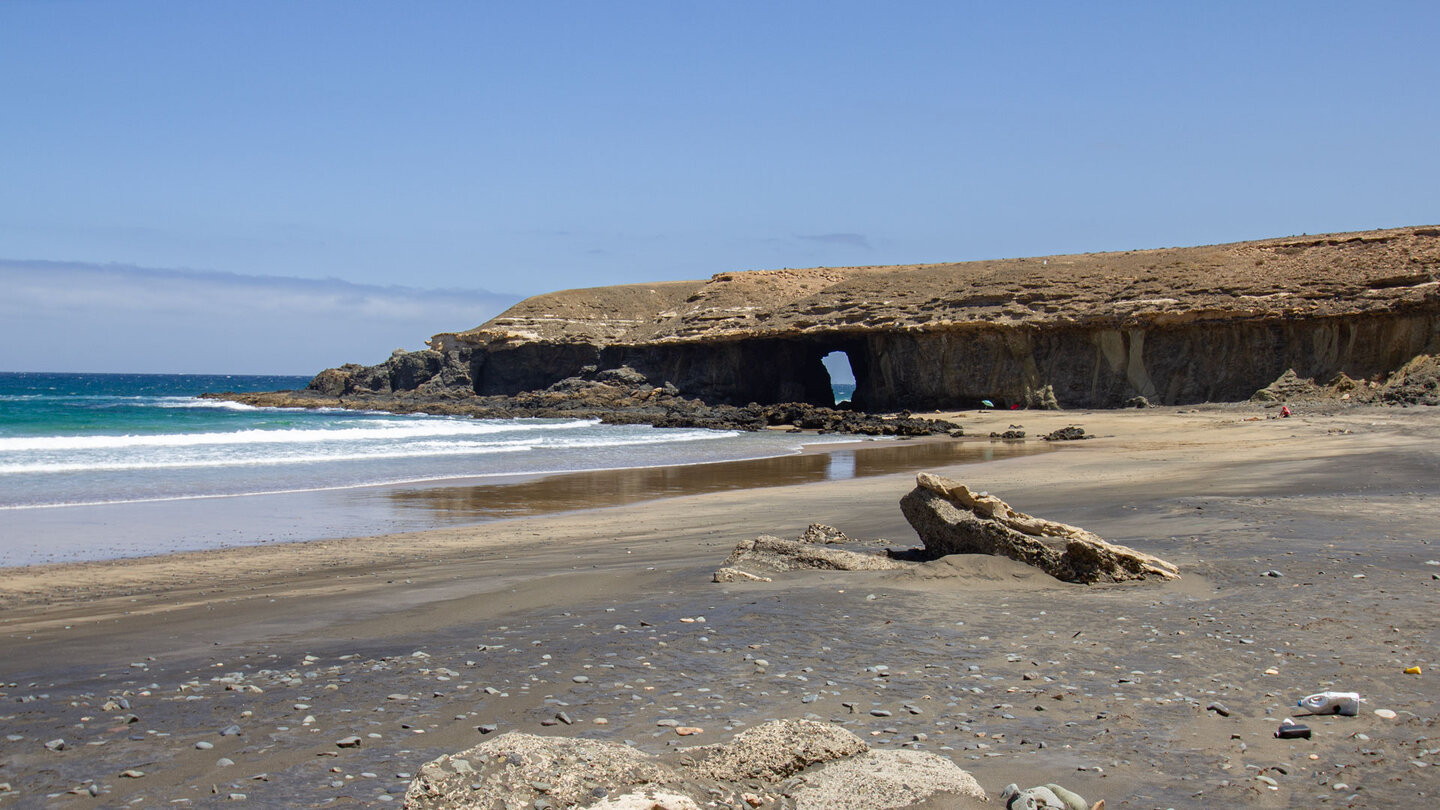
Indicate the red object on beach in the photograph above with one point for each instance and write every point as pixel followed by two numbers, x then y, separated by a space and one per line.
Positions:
pixel 1284 411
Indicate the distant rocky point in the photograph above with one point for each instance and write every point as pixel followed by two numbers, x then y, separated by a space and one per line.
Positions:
pixel 1168 326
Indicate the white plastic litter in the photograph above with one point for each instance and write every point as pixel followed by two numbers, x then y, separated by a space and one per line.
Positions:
pixel 1342 703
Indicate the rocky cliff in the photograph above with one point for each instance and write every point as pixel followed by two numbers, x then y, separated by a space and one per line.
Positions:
pixel 1175 325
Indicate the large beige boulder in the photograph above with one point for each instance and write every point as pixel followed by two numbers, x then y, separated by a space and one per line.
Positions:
pixel 519 767
pixel 776 750
pixel 803 764
pixel 952 519
pixel 886 780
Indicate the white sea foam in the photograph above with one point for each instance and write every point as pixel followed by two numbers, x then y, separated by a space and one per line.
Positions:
pixel 208 404
pixel 253 455
pixel 377 454
pixel 375 430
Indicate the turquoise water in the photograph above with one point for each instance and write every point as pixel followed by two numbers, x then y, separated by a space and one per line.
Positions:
pixel 76 448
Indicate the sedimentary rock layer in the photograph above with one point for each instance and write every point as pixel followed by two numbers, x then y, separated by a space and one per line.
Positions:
pixel 951 519
pixel 1173 325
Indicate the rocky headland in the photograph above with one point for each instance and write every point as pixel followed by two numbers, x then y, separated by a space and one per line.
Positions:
pixel 1355 313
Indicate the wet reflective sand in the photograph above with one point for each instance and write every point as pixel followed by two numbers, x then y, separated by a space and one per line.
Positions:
pixel 451 504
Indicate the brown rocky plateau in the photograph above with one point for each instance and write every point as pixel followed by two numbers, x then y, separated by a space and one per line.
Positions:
pixel 1171 326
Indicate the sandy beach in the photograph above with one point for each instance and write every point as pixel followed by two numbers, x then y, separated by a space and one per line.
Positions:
pixel 1308 551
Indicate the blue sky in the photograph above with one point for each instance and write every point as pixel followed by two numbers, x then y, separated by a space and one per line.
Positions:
pixel 497 150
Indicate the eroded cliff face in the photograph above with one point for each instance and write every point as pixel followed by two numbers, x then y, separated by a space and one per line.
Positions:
pixel 1175 326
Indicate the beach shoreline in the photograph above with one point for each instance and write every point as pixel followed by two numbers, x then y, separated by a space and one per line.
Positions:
pixel 1224 498
pixel 67 532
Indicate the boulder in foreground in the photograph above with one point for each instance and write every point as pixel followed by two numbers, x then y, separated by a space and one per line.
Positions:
pixel 808 765
pixel 951 519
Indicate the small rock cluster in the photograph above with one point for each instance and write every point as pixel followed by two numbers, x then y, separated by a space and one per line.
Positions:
pixel 756 559
pixel 1415 383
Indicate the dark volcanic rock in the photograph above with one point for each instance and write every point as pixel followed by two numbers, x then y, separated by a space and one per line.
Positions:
pixel 1416 383
pixel 620 396
pixel 427 371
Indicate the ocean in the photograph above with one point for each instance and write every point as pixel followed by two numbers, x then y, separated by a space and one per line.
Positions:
pixel 94 466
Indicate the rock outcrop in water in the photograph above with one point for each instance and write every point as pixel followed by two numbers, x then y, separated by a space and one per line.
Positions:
pixel 951 519
pixel 1175 325
pixel 615 396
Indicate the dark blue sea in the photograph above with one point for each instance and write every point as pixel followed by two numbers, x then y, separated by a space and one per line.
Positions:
pixel 98 450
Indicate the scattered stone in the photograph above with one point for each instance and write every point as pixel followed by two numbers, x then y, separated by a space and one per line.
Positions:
pixel 348 742
pixel 56 745
pixel 204 745
pixel 1218 708
pixel 826 535
pixel 132 774
pixel 232 730
pixel 646 800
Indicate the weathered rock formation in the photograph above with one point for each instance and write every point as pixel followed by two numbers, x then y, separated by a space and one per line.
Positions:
pixel 767 554
pixel 811 765
pixel 1175 325
pixel 951 519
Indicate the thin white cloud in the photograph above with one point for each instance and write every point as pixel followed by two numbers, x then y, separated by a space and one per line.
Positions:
pixel 67 316
pixel 856 240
